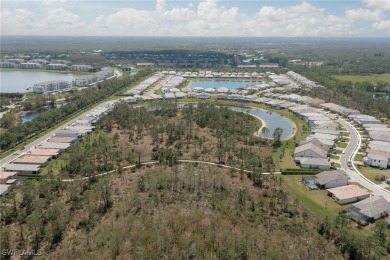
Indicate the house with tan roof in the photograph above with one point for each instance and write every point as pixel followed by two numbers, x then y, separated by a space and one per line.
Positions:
pixel 348 194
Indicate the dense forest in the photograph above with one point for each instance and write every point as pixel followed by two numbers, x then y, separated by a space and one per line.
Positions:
pixel 179 212
pixel 165 133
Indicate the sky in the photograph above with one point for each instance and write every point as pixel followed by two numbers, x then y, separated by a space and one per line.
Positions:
pixel 239 18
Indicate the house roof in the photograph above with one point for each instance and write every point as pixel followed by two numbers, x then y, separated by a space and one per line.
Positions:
pixel 314 161
pixel 32 159
pixel 310 146
pixel 22 167
pixel 11 181
pixel 322 124
pixel 3 189
pixel 62 139
pixel 52 145
pixel 42 151
pixel 378 152
pixel 315 101
pixel 372 206
pixel 6 175
pixel 315 142
pixel 348 192
pixel 328 176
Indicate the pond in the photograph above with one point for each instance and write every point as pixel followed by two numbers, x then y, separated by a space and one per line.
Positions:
pixel 270 120
pixel 222 83
pixel 20 81
pixel 30 115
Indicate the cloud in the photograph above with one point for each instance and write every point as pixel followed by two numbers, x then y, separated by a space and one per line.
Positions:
pixel 363 14
pixel 57 21
pixel 378 4
pixel 382 25
pixel 299 20
pixel 207 18
pixel 210 19
pixel 60 19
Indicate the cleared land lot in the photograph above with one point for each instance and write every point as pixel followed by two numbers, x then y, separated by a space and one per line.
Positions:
pixel 374 78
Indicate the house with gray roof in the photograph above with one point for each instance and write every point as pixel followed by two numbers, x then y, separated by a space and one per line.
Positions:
pixel 22 168
pixel 315 142
pixel 53 145
pixel 369 209
pixel 314 163
pixel 310 150
pixel 331 179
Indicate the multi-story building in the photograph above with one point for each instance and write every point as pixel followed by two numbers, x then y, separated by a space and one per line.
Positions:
pixel 84 68
pixel 30 65
pixel 56 66
pixel 54 85
pixel 6 64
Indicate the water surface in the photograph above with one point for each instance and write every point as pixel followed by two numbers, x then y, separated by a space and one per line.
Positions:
pixel 20 81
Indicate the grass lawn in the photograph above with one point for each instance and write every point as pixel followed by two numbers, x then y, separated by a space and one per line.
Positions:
pixel 374 78
pixel 371 172
pixel 342 145
pixel 358 157
pixel 316 201
pixel 336 165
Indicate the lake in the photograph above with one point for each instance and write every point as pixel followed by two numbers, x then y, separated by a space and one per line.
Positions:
pixel 222 83
pixel 271 120
pixel 19 81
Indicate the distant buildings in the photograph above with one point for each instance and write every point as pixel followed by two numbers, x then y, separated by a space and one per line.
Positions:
pixel 49 86
pixel 83 68
pixel 59 66
pixel 30 65
pixel 59 85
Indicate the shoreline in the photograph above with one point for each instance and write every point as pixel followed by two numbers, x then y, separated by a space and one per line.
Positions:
pixel 264 124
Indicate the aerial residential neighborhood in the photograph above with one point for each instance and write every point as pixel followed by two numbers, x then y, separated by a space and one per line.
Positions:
pixel 194 130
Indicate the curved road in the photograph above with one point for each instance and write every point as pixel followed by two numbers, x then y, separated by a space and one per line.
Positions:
pixel 349 153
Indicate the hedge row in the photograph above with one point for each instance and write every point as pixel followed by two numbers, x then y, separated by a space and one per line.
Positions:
pixel 300 171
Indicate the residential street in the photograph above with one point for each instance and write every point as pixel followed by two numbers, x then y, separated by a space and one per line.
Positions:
pixel 350 151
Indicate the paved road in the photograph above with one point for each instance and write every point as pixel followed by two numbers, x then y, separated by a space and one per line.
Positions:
pixel 350 152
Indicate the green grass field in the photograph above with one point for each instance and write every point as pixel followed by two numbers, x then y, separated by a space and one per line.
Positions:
pixel 374 78
pixel 371 173
pixel 316 201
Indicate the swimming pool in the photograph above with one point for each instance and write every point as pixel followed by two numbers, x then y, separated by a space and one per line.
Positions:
pixel 310 185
